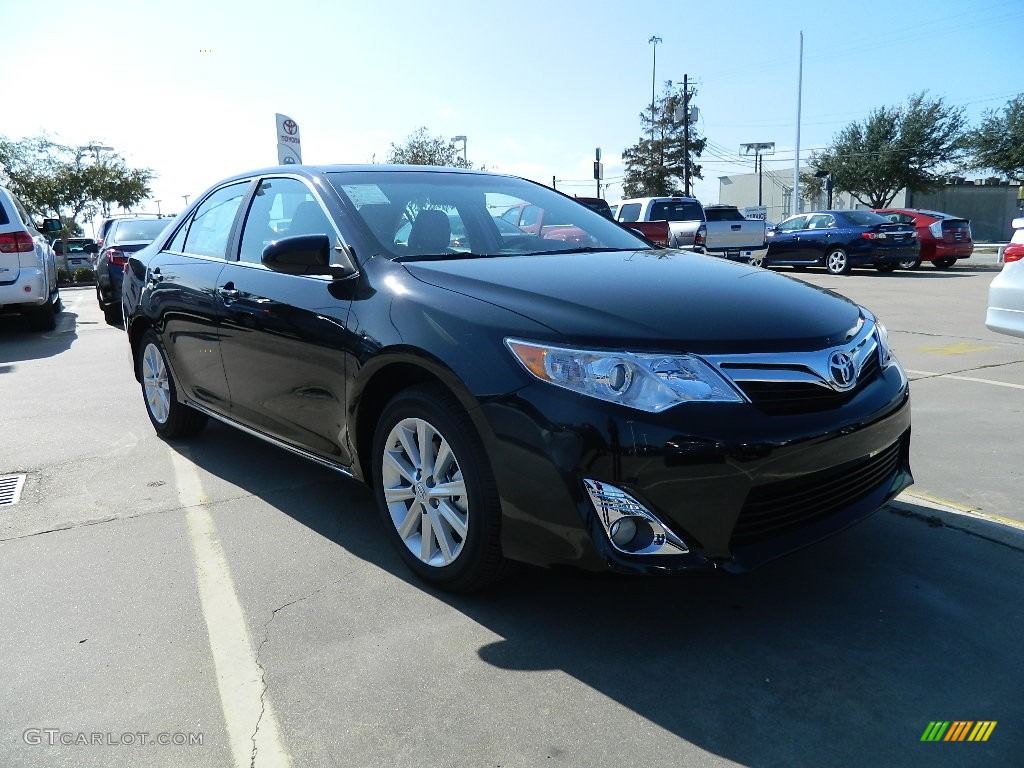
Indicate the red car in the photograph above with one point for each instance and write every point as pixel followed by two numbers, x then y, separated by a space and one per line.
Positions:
pixel 944 239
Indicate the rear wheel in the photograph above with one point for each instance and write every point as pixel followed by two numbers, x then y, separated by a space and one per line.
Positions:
pixel 910 263
pixel 435 490
pixel 945 263
pixel 43 318
pixel 837 262
pixel 169 417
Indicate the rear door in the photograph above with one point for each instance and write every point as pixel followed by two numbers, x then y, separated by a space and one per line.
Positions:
pixel 180 294
pixel 820 235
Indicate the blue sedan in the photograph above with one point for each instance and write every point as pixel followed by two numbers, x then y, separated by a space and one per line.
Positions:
pixel 841 240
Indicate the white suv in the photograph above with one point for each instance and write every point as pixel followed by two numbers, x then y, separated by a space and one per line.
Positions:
pixel 28 265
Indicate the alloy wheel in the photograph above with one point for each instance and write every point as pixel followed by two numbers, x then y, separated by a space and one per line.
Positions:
pixel 425 492
pixel 155 384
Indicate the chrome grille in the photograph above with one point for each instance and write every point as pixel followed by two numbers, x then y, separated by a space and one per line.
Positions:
pixel 792 397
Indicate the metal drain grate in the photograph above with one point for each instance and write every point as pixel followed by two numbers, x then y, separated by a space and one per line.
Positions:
pixel 10 489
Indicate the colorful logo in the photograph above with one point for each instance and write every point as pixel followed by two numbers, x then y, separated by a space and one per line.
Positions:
pixel 959 730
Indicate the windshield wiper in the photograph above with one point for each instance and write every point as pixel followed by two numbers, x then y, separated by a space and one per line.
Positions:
pixel 579 249
pixel 448 256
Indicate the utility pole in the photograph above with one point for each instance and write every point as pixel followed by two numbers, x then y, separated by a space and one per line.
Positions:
pixel 686 135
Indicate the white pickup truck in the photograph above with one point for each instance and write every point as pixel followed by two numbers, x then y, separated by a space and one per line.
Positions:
pixel 718 230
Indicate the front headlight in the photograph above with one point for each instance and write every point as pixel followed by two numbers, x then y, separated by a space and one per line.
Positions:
pixel 647 382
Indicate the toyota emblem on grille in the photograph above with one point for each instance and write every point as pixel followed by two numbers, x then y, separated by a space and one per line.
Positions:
pixel 841 370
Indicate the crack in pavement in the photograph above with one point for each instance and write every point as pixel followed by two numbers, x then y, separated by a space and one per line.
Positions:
pixel 266 639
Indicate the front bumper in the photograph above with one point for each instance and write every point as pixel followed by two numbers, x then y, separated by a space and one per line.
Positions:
pixel 737 486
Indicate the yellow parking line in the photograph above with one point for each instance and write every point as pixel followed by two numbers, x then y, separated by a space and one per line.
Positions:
pixel 250 721
pixel 966 511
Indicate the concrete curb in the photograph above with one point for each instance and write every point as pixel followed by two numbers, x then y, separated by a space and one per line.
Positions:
pixel 946 514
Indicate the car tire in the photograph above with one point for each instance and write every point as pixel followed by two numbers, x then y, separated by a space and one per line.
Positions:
pixel 944 263
pixel 837 262
pixel 758 261
pixel 170 418
pixel 908 263
pixel 43 318
pixel 425 440
pixel 112 314
pixel 885 267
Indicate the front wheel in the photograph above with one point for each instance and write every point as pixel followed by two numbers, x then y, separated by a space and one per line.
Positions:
pixel 944 263
pixel 910 263
pixel 435 490
pixel 757 261
pixel 837 262
pixel 170 418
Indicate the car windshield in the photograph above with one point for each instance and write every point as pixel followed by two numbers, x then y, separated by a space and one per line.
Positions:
pixel 415 215
pixel 138 230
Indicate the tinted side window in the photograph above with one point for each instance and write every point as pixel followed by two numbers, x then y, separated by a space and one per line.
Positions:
pixel 281 208
pixel 629 212
pixel 210 224
pixel 791 225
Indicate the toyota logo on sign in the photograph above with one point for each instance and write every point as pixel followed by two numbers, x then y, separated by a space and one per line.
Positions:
pixel 841 370
pixel 290 127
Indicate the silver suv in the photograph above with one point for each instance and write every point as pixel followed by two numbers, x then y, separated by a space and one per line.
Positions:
pixel 28 265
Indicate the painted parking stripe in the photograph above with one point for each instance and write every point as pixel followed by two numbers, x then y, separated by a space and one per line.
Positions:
pixel 244 701
pixel 933 375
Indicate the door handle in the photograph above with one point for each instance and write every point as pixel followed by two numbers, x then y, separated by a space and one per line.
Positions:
pixel 228 292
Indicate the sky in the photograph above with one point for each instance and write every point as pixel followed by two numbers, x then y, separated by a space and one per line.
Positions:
pixel 190 88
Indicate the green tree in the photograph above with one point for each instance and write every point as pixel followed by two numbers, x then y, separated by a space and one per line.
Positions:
pixel 65 181
pixel 657 163
pixel 905 147
pixel 998 143
pixel 420 148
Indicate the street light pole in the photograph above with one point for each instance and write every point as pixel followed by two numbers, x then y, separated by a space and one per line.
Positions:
pixel 465 162
pixel 186 200
pixel 158 215
pixel 654 40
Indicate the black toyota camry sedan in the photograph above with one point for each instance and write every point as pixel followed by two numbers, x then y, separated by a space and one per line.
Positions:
pixel 517 394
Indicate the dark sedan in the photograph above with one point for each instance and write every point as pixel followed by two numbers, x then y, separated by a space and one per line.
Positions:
pixel 124 237
pixel 608 406
pixel 841 240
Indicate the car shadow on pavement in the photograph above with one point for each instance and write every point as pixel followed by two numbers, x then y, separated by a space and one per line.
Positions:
pixel 841 654
pixel 18 342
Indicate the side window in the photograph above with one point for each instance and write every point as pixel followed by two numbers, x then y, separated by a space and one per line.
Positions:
pixel 629 212
pixel 531 215
pixel 281 208
pixel 210 226
pixel 792 225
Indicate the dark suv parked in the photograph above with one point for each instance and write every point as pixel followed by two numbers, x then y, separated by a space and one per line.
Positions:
pixel 512 396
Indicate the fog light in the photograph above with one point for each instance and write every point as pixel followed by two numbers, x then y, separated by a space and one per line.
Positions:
pixel 623 531
pixel 630 526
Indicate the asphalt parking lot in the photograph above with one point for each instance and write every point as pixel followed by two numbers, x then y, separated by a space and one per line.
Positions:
pixel 227 590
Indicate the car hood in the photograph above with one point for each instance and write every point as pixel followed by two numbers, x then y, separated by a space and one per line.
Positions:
pixel 674 299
